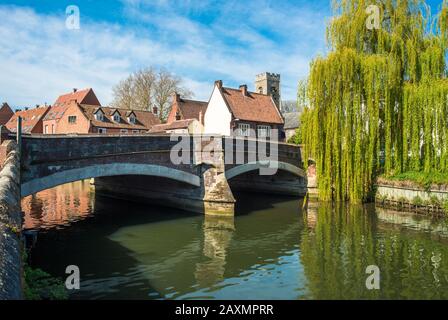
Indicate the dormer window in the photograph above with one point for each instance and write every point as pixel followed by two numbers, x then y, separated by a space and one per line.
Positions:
pixel 131 118
pixel 116 116
pixel 99 115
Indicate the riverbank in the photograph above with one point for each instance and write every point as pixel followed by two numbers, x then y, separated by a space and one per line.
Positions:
pixel 414 192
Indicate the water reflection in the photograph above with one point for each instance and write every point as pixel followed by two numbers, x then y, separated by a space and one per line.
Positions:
pixel 273 249
pixel 59 206
pixel 218 234
pixel 346 240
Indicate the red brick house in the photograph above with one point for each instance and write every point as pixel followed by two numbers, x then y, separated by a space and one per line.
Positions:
pixel 6 113
pixel 63 102
pixel 84 118
pixel 241 112
pixel 32 120
pixel 186 109
pixel 85 96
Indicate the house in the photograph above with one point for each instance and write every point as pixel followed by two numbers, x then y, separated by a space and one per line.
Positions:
pixel 79 118
pixel 62 103
pixel 186 109
pixel 188 126
pixel 241 112
pixel 32 120
pixel 6 113
pixel 292 123
pixel 85 96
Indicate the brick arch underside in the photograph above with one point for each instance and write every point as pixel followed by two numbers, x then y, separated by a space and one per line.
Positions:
pixel 106 170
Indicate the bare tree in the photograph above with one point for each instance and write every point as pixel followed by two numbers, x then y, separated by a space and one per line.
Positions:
pixel 148 88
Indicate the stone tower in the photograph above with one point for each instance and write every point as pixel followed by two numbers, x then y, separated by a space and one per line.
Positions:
pixel 269 83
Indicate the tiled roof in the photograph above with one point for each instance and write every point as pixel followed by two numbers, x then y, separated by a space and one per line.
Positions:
pixel 144 119
pixel 85 96
pixel 292 120
pixel 5 113
pixel 56 112
pixel 30 118
pixel 178 124
pixel 190 109
pixel 252 106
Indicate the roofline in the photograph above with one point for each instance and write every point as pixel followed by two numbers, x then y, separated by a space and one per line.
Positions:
pixel 231 112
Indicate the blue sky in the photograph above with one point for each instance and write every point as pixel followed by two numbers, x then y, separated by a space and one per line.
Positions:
pixel 201 41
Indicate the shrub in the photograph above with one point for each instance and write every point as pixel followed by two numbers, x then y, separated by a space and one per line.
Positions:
pixel 445 206
pixel 435 201
pixel 417 201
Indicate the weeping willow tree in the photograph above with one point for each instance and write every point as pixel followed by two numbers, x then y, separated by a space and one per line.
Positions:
pixel 378 100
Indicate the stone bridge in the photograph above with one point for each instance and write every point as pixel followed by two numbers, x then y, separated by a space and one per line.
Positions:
pixel 196 174
pixel 200 179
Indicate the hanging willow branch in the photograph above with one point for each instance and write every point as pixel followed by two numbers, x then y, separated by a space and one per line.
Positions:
pixel 378 101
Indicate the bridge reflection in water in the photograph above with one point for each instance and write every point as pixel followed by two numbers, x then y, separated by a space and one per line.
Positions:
pixel 270 250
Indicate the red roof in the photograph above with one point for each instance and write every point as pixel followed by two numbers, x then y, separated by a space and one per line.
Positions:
pixel 253 106
pixel 56 112
pixel 31 119
pixel 191 109
pixel 5 114
pixel 144 119
pixel 178 124
pixel 85 96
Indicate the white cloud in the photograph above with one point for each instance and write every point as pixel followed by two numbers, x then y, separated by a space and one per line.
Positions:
pixel 40 58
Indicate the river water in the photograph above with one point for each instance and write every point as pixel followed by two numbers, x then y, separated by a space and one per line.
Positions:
pixel 273 249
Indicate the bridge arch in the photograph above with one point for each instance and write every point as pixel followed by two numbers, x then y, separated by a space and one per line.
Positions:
pixel 104 170
pixel 251 166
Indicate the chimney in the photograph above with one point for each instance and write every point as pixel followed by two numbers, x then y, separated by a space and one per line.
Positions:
pixel 243 89
pixel 155 110
pixel 75 89
pixel 176 97
pixel 218 83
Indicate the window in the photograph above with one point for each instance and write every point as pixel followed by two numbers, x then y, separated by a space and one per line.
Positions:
pixel 134 131
pixel 102 130
pixel 243 129
pixel 263 131
pixel 46 129
pixel 99 116
pixel 52 128
pixel 124 131
pixel 116 117
pixel 71 119
pixel 131 119
pixel 178 115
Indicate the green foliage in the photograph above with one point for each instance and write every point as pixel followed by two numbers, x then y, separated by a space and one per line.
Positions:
pixel 435 201
pixel 417 201
pixel 378 101
pixel 39 285
pixel 296 138
pixel 445 206
pixel 421 178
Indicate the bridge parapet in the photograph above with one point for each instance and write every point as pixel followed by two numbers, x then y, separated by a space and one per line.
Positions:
pixel 10 223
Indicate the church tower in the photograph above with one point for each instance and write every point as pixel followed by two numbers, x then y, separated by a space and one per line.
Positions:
pixel 269 83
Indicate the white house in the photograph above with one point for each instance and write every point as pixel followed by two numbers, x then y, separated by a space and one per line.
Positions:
pixel 238 110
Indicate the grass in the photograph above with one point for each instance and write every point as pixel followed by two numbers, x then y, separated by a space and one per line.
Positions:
pixel 423 179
